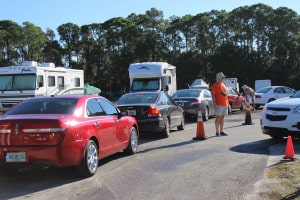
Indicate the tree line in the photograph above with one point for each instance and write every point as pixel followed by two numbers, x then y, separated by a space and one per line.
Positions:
pixel 248 43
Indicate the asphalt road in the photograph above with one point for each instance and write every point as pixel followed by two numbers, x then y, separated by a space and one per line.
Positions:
pixel 174 168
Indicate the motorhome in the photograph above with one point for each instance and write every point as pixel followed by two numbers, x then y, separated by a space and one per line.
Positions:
pixel 232 82
pixel 31 79
pixel 152 76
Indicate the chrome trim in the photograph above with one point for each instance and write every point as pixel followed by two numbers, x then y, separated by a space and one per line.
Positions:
pixel 43 130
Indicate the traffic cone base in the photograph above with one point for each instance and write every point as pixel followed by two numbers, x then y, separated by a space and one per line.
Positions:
pixel 289 151
pixel 248 119
pixel 200 134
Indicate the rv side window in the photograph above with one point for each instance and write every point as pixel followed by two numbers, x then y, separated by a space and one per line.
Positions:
pixel 77 82
pixel 170 80
pixel 51 81
pixel 61 82
pixel 40 81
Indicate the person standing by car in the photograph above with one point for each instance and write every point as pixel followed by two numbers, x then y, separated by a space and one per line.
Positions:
pixel 220 99
pixel 249 95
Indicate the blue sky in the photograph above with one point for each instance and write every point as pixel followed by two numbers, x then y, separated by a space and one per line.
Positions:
pixel 53 13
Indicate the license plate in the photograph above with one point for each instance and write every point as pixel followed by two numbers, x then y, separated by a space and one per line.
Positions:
pixel 131 112
pixel 15 157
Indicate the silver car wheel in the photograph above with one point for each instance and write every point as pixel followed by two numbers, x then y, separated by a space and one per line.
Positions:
pixel 92 157
pixel 166 132
pixel 134 140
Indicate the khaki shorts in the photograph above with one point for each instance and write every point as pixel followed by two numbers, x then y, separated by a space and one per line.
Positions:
pixel 221 110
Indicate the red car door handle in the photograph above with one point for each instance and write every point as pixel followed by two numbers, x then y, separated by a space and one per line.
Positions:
pixel 96 124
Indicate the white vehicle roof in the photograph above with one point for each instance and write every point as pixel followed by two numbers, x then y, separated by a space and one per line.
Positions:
pixel 149 69
pixel 33 67
pixel 199 83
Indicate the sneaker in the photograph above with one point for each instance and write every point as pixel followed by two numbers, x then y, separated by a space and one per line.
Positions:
pixel 218 135
pixel 223 134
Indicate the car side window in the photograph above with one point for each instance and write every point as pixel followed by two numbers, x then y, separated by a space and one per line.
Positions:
pixel 108 107
pixel 289 91
pixel 167 100
pixel 278 90
pixel 207 94
pixel 93 108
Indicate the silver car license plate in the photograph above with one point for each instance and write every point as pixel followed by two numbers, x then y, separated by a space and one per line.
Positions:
pixel 131 112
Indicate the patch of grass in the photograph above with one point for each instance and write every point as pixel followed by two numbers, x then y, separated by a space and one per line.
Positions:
pixel 286 176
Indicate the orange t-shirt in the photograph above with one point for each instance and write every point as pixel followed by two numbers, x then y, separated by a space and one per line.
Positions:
pixel 218 90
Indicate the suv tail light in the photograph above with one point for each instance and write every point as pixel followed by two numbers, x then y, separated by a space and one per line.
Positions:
pixel 152 111
pixel 257 96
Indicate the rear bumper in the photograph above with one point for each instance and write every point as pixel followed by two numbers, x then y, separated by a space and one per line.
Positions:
pixel 191 112
pixel 151 125
pixel 57 155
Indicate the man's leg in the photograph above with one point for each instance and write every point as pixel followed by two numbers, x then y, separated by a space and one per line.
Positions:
pixel 221 123
pixel 217 124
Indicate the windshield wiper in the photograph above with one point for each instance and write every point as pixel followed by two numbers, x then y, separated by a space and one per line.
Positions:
pixel 16 86
pixel 6 86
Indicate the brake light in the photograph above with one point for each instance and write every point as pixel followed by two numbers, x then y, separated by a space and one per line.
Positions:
pixel 5 128
pixel 257 96
pixel 152 111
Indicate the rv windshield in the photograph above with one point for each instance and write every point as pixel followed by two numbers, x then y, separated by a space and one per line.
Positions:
pixel 17 82
pixel 145 84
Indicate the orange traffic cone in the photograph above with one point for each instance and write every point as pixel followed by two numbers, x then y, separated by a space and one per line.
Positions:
pixel 200 134
pixel 248 119
pixel 289 151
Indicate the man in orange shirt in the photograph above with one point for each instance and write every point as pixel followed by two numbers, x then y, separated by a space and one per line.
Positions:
pixel 220 99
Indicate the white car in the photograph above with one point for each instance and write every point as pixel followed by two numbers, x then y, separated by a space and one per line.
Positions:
pixel 281 118
pixel 271 93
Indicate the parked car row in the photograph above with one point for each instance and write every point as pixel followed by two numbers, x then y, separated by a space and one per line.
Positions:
pixel 193 99
pixel 78 130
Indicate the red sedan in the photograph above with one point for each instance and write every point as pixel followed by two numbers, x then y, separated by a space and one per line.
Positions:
pixel 236 100
pixel 67 130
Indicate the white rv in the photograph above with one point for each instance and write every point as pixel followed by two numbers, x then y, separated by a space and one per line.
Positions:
pixel 30 80
pixel 231 82
pixel 152 76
